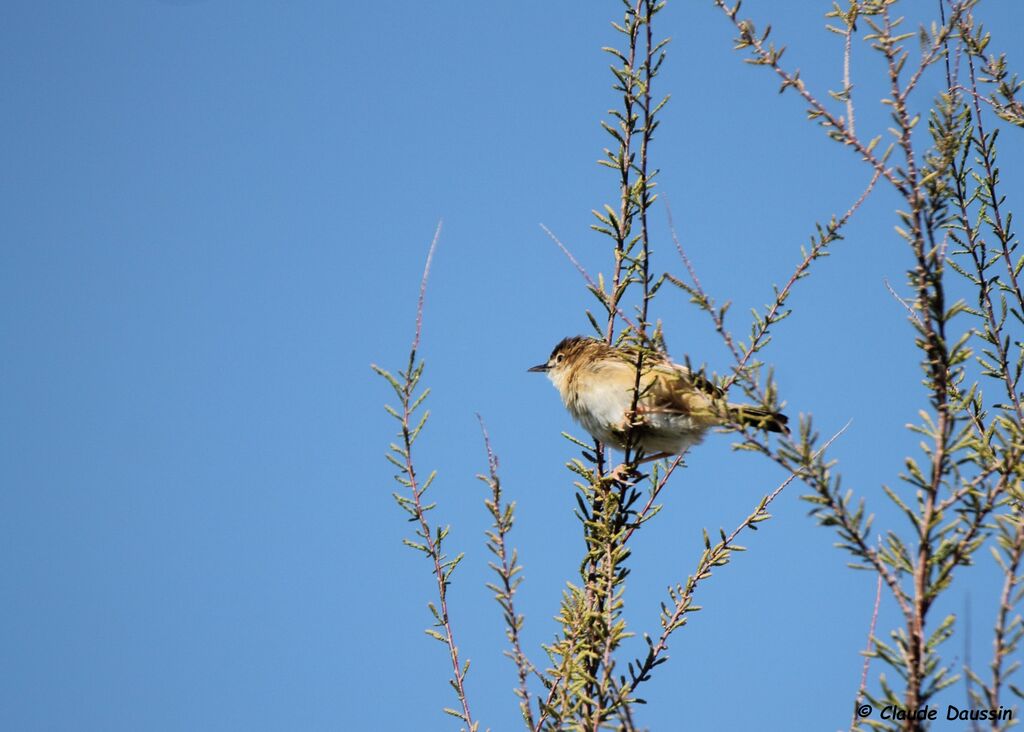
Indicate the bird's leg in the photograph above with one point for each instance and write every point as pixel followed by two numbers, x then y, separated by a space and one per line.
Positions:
pixel 621 473
pixel 655 456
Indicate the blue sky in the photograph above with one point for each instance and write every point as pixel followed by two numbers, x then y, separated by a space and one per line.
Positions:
pixel 215 216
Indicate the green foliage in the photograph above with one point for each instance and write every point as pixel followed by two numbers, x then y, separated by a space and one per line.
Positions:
pixel 429 539
pixel 964 489
pixel 968 475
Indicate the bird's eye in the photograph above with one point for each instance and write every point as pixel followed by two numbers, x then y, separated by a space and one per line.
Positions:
pixel 559 357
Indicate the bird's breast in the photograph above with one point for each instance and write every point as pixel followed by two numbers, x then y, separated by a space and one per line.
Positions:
pixel 600 405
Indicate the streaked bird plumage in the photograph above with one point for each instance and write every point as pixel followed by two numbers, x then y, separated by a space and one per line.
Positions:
pixel 674 409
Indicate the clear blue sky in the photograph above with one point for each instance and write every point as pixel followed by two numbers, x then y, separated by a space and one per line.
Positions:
pixel 214 218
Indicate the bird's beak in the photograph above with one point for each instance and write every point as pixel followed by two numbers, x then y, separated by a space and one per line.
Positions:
pixel 541 367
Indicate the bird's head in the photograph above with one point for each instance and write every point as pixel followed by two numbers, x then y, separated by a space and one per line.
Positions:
pixel 568 355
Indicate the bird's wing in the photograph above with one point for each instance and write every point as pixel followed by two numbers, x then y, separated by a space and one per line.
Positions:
pixel 671 388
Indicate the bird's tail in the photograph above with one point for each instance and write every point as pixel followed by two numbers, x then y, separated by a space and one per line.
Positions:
pixel 745 414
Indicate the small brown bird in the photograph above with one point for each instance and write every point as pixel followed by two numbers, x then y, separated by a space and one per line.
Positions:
pixel 675 408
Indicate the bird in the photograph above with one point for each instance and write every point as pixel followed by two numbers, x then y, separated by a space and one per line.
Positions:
pixel 675 407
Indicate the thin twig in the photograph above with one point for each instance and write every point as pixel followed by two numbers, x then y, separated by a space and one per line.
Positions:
pixel 914 316
pixel 642 513
pixel 1011 566
pixel 994 202
pixel 507 569
pixel 867 654
pixel 423 286
pixel 863 549
pixel 842 131
pixel 625 166
pixel 715 314
pixel 847 87
pixel 782 295
pixel 414 505
pixel 938 45
pixel 711 558
pixel 586 276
